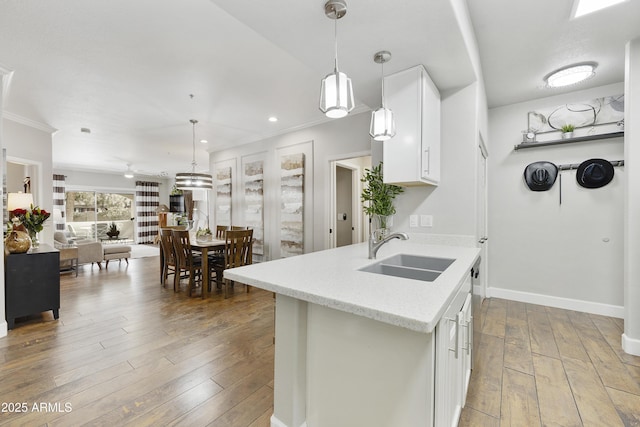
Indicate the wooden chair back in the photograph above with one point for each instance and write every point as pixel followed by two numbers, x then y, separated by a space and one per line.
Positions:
pixel 237 227
pixel 220 231
pixel 182 247
pixel 238 248
pixel 166 243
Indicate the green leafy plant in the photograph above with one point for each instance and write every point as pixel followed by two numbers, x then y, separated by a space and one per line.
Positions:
pixel 377 195
pixel 568 128
pixel 203 232
pixel 175 191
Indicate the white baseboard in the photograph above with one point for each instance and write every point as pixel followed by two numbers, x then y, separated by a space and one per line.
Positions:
pixel 3 329
pixel 275 422
pixel 630 345
pixel 558 302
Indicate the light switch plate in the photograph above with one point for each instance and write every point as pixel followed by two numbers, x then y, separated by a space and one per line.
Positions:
pixel 413 220
pixel 426 220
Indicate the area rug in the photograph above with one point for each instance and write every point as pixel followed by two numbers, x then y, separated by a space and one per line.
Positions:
pixel 143 251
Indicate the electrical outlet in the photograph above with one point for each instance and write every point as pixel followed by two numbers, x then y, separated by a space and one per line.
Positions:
pixel 413 221
pixel 426 220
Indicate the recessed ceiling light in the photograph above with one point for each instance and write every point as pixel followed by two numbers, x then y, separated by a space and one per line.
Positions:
pixel 204 141
pixel 584 7
pixel 571 75
pixel 273 119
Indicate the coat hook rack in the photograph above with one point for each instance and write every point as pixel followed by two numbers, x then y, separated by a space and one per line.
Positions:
pixel 576 165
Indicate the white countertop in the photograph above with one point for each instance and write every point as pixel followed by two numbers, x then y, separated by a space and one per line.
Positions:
pixel 331 278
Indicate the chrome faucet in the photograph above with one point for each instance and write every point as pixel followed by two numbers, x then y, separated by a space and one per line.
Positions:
pixel 374 244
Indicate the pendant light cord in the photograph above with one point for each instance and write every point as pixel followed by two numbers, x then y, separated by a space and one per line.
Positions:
pixel 382 79
pixel 193 161
pixel 335 38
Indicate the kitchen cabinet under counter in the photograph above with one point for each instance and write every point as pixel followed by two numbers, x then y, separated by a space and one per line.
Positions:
pixel 357 347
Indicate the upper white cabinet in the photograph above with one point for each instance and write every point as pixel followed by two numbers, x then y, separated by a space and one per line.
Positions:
pixel 412 156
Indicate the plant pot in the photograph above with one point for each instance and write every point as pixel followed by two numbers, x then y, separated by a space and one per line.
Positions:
pixel 567 135
pixel 17 242
pixel 382 225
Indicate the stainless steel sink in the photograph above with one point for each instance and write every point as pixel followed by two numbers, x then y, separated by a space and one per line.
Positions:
pixel 408 266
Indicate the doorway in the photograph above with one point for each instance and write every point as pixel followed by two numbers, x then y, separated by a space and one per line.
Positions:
pixel 481 197
pixel 347 219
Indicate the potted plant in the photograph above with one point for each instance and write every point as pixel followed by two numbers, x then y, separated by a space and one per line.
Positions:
pixel 113 231
pixel 567 131
pixel 204 234
pixel 378 198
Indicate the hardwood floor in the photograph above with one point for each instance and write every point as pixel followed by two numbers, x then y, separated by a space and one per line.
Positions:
pixel 125 351
pixel 542 366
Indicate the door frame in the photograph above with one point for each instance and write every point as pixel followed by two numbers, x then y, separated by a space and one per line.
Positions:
pixel 330 198
pixel 482 203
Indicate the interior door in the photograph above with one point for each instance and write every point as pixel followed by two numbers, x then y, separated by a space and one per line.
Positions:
pixel 344 206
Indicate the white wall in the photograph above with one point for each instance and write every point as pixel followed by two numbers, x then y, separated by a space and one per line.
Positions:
pixel 568 255
pixel 32 145
pixel 631 336
pixel 337 139
pixel 452 202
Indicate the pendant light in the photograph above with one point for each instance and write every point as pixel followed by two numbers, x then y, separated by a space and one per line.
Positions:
pixel 192 180
pixel 336 93
pixel 383 126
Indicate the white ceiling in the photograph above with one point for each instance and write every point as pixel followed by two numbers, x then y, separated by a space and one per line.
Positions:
pixel 125 69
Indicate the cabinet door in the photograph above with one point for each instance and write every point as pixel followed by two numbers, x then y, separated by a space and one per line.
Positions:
pixel 412 156
pixel 430 135
pixel 448 393
pixel 466 345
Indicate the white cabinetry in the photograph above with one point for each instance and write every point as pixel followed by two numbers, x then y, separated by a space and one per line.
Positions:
pixel 412 156
pixel 453 358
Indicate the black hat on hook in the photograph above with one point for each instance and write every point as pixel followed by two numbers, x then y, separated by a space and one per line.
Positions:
pixel 594 173
pixel 540 176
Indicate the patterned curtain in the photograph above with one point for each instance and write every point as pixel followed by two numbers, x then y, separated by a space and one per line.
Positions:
pixel 147 201
pixel 59 221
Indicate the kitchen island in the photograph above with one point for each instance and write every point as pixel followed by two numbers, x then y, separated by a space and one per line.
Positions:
pixel 359 348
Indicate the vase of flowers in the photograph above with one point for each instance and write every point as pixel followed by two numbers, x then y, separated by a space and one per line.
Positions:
pixel 32 220
pixel 379 198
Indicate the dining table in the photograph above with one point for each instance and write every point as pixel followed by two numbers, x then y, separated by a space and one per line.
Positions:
pixel 205 246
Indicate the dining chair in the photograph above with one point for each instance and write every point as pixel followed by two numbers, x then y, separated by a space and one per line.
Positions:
pixel 186 261
pixel 168 256
pixel 238 251
pixel 220 230
pixel 238 227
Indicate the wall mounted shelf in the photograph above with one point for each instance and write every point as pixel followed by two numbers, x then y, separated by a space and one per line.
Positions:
pixel 568 140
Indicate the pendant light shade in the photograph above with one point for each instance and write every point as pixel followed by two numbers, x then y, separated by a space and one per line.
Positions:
pixel 336 95
pixel 336 91
pixel 192 180
pixel 383 125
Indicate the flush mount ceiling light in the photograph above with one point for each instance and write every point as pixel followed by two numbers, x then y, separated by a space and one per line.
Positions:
pixel 584 7
pixel 383 125
pixel 128 173
pixel 192 180
pixel 336 93
pixel 571 75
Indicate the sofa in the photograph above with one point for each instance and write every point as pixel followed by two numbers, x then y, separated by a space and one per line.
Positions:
pixel 89 251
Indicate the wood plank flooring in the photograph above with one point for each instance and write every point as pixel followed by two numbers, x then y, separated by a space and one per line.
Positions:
pixel 542 366
pixel 126 351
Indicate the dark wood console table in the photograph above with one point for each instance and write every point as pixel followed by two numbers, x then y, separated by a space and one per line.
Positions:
pixel 32 283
